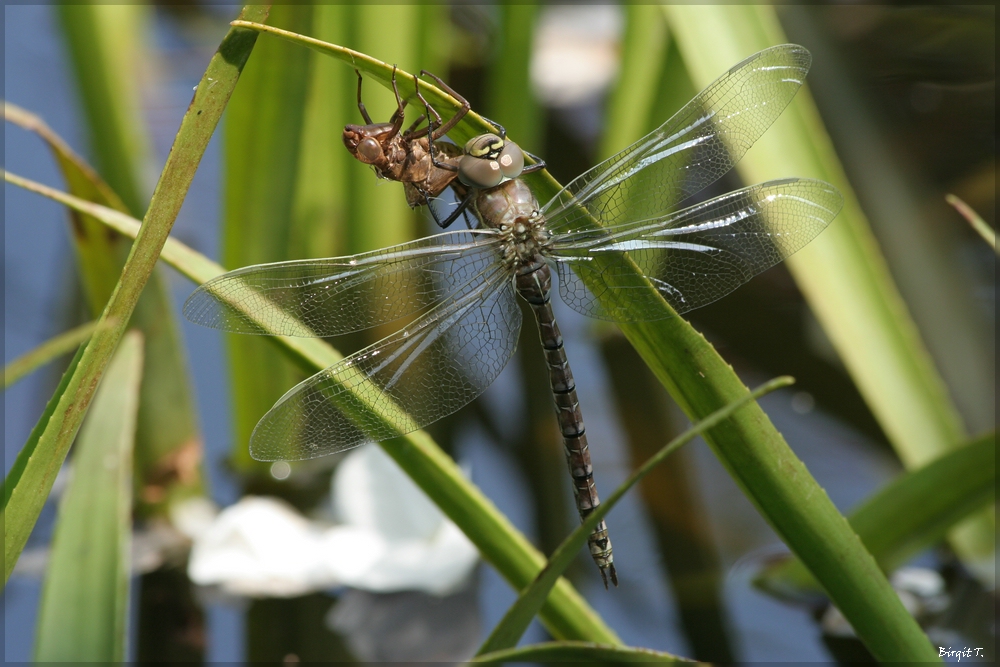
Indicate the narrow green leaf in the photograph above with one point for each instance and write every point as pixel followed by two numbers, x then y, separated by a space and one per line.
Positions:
pixel 976 220
pixel 262 136
pixel 378 218
pixel 470 126
pixel 48 351
pixel 579 652
pixel 565 614
pixel 100 255
pixel 84 607
pixel 167 421
pixel 28 496
pixel 631 105
pixel 106 49
pixel 507 633
pixel 509 98
pixel 911 513
pixel 321 200
pixel 915 512
pixel 840 273
pixel 17 470
pixel 843 274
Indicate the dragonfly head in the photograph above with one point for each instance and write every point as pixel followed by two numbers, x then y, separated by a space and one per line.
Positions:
pixel 363 142
pixel 489 161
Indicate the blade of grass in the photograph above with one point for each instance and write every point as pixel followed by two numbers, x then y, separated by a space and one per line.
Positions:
pixel 584 653
pixel 777 482
pixel 105 51
pixel 321 199
pixel 13 477
pixel 509 630
pixel 99 255
pixel 843 274
pixel 976 220
pixel 378 219
pixel 798 143
pixel 924 257
pixel 262 136
pixel 84 606
pixel 470 126
pixel 520 113
pixel 913 512
pixel 631 105
pixel 167 422
pixel 688 544
pixel 27 498
pixel 566 614
pixel 48 351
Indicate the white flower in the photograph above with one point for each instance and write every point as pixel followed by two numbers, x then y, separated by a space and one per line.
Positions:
pixel 422 549
pixel 392 538
pixel 260 547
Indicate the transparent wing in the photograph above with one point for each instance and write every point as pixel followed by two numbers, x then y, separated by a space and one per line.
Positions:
pixel 418 375
pixel 693 149
pixel 327 297
pixel 691 257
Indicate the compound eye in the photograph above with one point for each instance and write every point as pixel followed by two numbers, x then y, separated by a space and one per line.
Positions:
pixel 479 173
pixel 369 150
pixel 484 146
pixel 511 160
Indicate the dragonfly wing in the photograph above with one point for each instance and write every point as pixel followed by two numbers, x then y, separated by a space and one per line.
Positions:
pixel 691 257
pixel 337 295
pixel 693 149
pixel 414 377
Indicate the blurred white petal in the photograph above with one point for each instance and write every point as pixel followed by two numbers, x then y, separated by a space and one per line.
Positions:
pixel 371 492
pixel 260 546
pixel 392 538
pixel 425 551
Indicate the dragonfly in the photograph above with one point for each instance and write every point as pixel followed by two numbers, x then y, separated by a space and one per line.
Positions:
pixel 616 238
pixel 426 166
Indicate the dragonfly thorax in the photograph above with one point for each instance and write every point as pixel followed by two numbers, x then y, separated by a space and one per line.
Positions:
pixel 512 210
pixel 524 240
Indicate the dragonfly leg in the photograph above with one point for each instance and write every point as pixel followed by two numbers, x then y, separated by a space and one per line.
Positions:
pixel 361 105
pixel 538 165
pixel 459 115
pixel 501 131
pixel 433 122
pixel 433 117
pixel 453 216
pixel 397 116
pixel 410 131
pixel 439 165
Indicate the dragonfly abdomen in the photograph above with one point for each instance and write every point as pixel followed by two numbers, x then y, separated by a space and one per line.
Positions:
pixel 534 284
